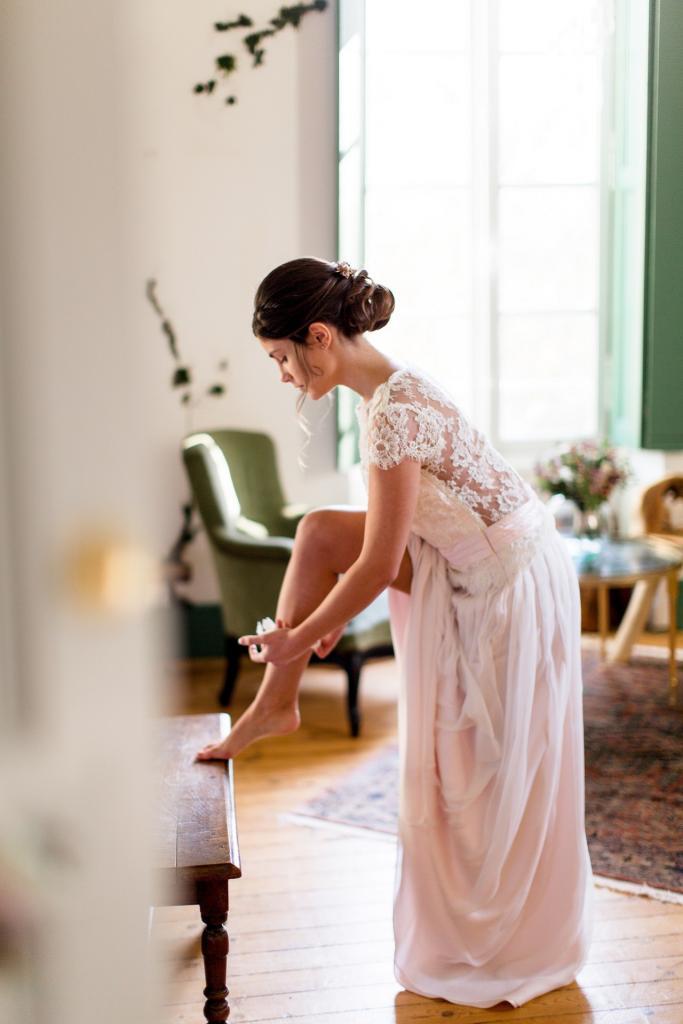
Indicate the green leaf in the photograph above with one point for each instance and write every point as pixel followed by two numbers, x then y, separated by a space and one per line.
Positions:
pixel 226 63
pixel 181 377
pixel 216 389
pixel 224 26
pixel 252 40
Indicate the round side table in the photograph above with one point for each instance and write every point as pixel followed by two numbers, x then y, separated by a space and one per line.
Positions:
pixel 637 562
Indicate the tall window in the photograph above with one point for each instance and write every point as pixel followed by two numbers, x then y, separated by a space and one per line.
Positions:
pixel 470 184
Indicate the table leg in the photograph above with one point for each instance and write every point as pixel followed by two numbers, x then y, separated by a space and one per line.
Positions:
pixel 212 897
pixel 673 634
pixel 633 621
pixel 602 617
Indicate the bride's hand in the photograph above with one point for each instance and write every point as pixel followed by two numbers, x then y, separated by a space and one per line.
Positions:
pixel 278 646
pixel 326 643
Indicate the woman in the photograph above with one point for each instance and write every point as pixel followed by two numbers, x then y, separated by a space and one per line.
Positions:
pixel 493 893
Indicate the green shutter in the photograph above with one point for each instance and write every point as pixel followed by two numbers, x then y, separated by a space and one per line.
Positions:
pixel 663 366
pixel 645 292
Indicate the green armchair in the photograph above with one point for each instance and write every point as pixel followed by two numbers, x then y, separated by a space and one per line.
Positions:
pixel 236 488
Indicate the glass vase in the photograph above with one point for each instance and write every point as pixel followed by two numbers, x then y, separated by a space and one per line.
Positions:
pixel 592 523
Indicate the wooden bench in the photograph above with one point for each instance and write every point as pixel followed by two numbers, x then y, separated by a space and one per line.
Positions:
pixel 197 851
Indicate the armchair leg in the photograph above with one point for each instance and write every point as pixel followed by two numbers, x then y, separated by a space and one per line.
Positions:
pixel 353 663
pixel 233 652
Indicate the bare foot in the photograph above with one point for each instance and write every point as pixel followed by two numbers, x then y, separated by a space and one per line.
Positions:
pixel 257 722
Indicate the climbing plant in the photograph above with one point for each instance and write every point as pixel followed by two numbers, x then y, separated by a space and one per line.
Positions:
pixel 227 63
pixel 182 375
pixel 182 379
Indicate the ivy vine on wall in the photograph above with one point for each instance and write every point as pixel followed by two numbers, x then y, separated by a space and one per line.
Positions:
pixel 182 375
pixel 226 64
pixel 183 381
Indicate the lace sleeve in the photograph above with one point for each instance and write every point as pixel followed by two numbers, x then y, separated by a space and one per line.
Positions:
pixel 411 417
pixel 399 427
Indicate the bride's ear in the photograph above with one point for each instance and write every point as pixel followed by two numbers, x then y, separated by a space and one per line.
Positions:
pixel 319 335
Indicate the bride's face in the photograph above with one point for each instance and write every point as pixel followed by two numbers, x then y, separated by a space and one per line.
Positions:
pixel 316 376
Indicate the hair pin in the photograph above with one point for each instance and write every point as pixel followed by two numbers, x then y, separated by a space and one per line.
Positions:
pixel 343 268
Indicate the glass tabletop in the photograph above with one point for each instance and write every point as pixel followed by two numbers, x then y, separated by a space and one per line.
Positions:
pixel 606 558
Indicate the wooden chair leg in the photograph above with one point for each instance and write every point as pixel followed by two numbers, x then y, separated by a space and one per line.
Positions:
pixel 233 653
pixel 353 664
pixel 633 622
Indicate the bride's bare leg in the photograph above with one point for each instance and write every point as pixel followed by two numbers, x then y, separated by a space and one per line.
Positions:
pixel 327 542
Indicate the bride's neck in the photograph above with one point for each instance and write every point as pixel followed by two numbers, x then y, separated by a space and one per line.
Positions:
pixel 365 368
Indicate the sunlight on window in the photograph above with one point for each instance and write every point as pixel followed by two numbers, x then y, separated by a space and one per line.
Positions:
pixel 418 183
pixel 482 204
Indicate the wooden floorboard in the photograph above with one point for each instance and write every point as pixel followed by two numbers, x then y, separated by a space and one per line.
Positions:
pixel 310 921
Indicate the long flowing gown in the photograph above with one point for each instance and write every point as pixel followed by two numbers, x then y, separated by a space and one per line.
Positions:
pixel 493 896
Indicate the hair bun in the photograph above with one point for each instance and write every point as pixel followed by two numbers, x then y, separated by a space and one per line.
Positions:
pixel 367 306
pixel 297 293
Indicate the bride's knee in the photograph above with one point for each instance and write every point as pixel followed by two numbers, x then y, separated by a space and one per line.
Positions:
pixel 332 534
pixel 316 528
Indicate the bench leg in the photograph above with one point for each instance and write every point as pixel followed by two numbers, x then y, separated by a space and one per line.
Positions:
pixel 212 897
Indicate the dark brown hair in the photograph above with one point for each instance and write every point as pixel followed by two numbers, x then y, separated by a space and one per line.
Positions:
pixel 303 291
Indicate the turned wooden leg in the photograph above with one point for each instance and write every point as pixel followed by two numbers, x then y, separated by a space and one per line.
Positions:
pixel 673 631
pixel 233 653
pixel 353 665
pixel 212 897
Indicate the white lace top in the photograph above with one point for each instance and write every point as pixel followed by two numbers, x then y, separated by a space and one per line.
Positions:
pixel 466 484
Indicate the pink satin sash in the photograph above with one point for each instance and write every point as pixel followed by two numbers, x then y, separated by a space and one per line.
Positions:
pixel 493 539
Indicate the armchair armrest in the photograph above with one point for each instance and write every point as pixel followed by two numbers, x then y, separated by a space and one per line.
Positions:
pixel 290 516
pixel 277 549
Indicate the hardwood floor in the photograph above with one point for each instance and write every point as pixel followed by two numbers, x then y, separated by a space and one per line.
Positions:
pixel 310 920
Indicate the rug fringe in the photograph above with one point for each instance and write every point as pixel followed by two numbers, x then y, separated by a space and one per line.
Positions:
pixel 664 895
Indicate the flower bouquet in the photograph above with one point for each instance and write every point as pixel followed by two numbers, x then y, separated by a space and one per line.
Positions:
pixel 586 473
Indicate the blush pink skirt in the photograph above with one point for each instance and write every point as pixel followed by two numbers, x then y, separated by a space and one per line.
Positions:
pixel 493 889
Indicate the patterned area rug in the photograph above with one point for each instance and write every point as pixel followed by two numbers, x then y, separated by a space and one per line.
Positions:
pixel 634 777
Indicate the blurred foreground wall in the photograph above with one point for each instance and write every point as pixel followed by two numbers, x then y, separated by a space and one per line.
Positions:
pixel 80 511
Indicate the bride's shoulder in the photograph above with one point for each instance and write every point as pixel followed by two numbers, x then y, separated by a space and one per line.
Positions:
pixel 419 385
pixel 408 386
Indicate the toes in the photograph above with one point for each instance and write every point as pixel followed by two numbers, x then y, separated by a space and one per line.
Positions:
pixel 210 753
pixel 203 753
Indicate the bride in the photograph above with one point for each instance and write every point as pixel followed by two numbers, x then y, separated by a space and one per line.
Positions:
pixel 494 888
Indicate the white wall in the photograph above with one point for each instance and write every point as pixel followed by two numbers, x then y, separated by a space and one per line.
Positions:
pixel 232 191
